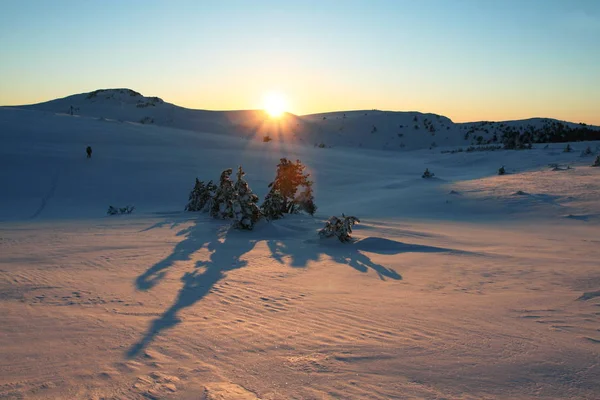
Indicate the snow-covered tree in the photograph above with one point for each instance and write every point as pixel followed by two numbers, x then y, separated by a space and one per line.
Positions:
pixel 246 212
pixel 501 171
pixel 587 152
pixel 339 227
pixel 222 206
pixel 306 200
pixel 201 196
pixel 273 205
pixel 427 174
pixel 290 176
pixel 596 162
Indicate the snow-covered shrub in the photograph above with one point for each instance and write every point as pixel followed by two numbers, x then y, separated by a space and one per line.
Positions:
pixel 306 200
pixel 587 152
pixel 289 178
pixel 596 162
pixel 201 196
pixel 339 227
pixel 568 149
pixel 245 210
pixel 120 210
pixel 427 174
pixel 501 170
pixel 273 205
pixel 222 206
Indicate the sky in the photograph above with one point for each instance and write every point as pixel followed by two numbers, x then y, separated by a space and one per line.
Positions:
pixel 466 59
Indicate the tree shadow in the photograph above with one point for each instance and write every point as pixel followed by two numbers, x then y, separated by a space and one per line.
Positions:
pixel 195 239
pixel 225 256
pixel 351 254
pixel 227 248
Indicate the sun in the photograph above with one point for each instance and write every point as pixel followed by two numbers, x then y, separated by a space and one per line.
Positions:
pixel 275 104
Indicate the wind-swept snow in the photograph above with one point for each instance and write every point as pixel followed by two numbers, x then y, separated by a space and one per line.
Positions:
pixel 469 285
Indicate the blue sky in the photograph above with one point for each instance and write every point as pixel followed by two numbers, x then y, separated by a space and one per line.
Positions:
pixel 466 59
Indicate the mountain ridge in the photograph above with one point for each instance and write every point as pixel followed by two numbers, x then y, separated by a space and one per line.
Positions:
pixel 374 129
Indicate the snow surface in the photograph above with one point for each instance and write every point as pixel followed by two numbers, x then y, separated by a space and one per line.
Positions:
pixel 469 285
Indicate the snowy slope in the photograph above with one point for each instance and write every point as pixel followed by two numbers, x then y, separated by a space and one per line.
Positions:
pixel 373 129
pixel 469 285
pixel 154 168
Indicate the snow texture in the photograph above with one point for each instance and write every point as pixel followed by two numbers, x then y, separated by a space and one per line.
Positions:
pixel 474 286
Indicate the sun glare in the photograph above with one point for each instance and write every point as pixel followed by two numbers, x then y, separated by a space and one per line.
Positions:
pixel 274 104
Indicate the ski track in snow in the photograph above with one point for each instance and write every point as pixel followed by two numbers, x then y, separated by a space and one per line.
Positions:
pixel 47 196
pixel 471 286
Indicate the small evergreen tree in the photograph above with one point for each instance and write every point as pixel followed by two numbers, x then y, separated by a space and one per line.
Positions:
pixel 201 196
pixel 427 174
pixel 290 176
pixel 501 171
pixel 587 152
pixel 339 227
pixel 222 206
pixel 246 212
pixel 306 200
pixel 596 161
pixel 273 205
pixel 568 148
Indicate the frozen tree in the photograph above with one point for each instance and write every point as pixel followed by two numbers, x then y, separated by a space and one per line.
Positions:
pixel 222 206
pixel 306 200
pixel 587 152
pixel 339 227
pixel 273 205
pixel 201 196
pixel 596 162
pixel 501 171
pixel 290 176
pixel 246 212
pixel 427 174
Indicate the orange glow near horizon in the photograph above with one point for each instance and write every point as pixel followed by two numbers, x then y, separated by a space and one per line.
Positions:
pixel 275 104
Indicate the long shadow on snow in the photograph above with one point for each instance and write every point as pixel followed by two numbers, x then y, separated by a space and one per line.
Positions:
pixel 227 247
pixel 194 241
pixel 225 256
pixel 350 253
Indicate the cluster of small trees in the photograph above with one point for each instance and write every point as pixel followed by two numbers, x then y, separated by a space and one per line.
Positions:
pixel 235 200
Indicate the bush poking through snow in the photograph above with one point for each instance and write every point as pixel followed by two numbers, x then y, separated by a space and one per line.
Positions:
pixel 501 171
pixel 568 149
pixel 120 210
pixel 427 174
pixel 596 161
pixel 201 196
pixel 245 210
pixel 339 227
pixel 587 152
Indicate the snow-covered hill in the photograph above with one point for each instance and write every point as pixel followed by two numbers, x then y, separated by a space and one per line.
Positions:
pixel 468 285
pixel 372 129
